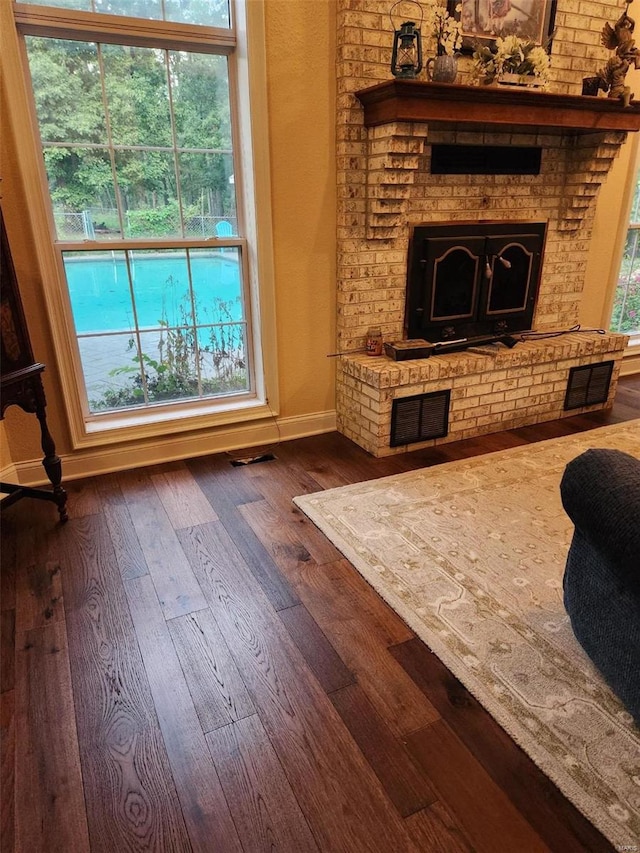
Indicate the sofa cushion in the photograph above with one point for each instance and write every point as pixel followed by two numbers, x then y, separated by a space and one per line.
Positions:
pixel 600 492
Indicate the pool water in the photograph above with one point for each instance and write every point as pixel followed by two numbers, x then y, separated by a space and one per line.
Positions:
pixel 102 301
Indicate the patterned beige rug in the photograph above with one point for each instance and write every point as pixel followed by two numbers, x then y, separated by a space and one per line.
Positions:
pixel 471 554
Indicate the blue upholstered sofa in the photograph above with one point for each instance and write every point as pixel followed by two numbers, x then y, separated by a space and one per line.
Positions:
pixel 600 492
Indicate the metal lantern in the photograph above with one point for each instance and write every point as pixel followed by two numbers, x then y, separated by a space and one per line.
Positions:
pixel 406 57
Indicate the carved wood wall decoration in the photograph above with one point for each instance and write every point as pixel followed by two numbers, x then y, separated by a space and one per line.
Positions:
pixel 21 382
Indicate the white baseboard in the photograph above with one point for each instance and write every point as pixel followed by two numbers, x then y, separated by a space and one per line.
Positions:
pixel 8 474
pixel 103 460
pixel 630 362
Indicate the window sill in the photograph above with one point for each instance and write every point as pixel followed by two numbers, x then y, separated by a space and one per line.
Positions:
pixel 168 420
pixel 631 357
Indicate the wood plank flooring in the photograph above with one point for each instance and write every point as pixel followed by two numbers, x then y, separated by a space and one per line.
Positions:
pixel 188 664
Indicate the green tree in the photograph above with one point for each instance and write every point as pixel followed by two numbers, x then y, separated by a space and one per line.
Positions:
pixel 140 85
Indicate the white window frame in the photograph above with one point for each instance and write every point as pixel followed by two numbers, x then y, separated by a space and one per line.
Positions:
pixel 633 346
pixel 247 76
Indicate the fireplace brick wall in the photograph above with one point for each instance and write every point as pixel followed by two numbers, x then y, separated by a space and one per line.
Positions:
pixel 491 390
pixel 385 187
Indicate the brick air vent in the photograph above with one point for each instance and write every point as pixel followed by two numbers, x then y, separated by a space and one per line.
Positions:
pixel 485 160
pixel 419 418
pixel 588 385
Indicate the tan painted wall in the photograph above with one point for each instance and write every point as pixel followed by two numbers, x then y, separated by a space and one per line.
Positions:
pixel 607 239
pixel 301 91
pixel 301 94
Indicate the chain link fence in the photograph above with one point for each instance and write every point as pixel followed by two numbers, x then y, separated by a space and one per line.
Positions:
pixel 103 223
pixel 74 226
pixel 210 226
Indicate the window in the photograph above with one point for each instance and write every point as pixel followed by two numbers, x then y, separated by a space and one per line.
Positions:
pixel 626 305
pixel 139 128
pixel 213 13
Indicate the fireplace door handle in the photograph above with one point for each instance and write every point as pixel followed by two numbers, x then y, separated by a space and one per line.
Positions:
pixel 487 268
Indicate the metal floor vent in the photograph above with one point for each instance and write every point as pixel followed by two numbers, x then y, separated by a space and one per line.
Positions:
pixel 252 460
pixel 588 385
pixel 419 418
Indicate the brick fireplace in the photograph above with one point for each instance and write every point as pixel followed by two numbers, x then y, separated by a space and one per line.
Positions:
pixel 387 133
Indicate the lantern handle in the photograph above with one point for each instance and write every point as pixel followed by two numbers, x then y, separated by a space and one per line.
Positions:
pixel 415 3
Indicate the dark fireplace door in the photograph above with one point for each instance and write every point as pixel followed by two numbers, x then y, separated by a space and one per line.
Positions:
pixel 471 280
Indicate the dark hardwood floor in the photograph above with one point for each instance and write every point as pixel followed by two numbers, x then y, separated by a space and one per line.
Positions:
pixel 188 664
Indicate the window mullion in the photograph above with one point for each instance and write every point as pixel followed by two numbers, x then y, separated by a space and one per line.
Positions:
pixel 151 243
pixel 112 155
pixel 174 142
pixel 136 327
pixel 236 143
pixel 194 324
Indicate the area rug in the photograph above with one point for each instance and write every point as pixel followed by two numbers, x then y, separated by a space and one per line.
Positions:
pixel 471 555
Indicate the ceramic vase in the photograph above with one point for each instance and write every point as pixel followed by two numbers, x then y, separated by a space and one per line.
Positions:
pixel 442 69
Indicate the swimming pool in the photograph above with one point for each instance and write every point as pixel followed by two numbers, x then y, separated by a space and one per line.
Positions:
pixel 101 297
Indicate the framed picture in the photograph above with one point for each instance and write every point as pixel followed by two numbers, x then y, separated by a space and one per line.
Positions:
pixel 485 20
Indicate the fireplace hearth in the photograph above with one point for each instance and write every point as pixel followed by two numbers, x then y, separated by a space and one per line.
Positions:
pixel 473 279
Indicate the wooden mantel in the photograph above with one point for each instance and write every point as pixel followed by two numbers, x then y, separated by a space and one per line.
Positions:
pixel 474 106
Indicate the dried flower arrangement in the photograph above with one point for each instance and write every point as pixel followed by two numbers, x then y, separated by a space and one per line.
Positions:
pixel 511 55
pixel 445 28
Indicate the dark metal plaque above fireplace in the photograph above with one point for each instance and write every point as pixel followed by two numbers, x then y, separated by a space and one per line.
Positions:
pixel 466 280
